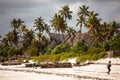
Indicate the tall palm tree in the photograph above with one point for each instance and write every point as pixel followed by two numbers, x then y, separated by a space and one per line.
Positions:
pixel 93 22
pixel 94 27
pixel 27 38
pixel 66 13
pixel 0 37
pixel 80 21
pixel 13 38
pixel 14 24
pixel 82 14
pixel 39 25
pixel 59 24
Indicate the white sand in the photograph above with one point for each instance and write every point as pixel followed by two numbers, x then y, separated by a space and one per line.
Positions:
pixel 11 75
pixel 94 71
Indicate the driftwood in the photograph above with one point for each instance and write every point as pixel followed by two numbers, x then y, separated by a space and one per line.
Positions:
pixel 50 65
pixel 10 63
pixel 56 65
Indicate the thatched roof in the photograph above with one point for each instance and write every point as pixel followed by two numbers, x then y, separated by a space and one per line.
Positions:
pixel 58 38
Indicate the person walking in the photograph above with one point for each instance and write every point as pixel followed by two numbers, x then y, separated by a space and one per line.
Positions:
pixel 109 67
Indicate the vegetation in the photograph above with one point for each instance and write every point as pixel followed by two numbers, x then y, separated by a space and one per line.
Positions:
pixel 34 43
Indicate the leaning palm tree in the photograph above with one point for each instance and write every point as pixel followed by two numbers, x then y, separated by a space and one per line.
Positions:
pixel 66 13
pixel 4 42
pixel 112 29
pixel 82 14
pixel 94 27
pixel 59 24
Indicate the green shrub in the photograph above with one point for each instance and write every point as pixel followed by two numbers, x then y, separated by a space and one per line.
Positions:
pixel 20 60
pixel 78 47
pixel 7 52
pixel 31 52
pixel 64 47
pixel 112 44
pixel 48 50
pixel 94 50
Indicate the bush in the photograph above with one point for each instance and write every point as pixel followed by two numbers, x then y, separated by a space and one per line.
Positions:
pixel 64 47
pixel 78 47
pixel 31 52
pixel 48 50
pixel 90 56
pixel 7 52
pixel 95 50
pixel 113 44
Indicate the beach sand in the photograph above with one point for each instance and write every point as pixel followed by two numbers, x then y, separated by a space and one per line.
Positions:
pixel 97 71
pixel 12 75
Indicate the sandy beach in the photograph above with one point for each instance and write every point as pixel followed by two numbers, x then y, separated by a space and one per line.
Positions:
pixel 95 71
pixel 12 75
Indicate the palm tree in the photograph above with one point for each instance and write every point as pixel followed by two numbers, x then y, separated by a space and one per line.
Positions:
pixel 47 28
pixel 94 26
pixel 93 22
pixel 39 25
pixel 14 24
pixel 82 13
pixel 111 29
pixel 27 38
pixel 80 21
pixel 16 33
pixel 70 32
pixel 0 37
pixel 13 38
pixel 66 13
pixel 59 24
pixel 4 42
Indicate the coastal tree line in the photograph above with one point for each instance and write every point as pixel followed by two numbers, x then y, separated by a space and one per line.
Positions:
pixel 33 42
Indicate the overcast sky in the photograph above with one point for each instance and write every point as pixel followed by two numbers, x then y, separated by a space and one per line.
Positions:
pixel 29 10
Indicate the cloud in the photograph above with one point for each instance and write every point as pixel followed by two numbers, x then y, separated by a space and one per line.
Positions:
pixel 29 10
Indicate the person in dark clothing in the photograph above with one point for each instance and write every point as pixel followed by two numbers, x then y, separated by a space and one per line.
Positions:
pixel 109 67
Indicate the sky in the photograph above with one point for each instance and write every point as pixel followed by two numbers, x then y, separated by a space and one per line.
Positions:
pixel 29 10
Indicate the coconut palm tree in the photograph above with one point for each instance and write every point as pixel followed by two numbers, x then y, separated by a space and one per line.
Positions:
pixel 111 29
pixel 66 13
pixel 0 38
pixel 14 24
pixel 27 38
pixel 70 33
pixel 39 24
pixel 82 14
pixel 80 21
pixel 4 42
pixel 59 24
pixel 13 38
pixel 93 22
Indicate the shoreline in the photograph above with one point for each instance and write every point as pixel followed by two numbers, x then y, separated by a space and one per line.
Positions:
pixel 94 71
